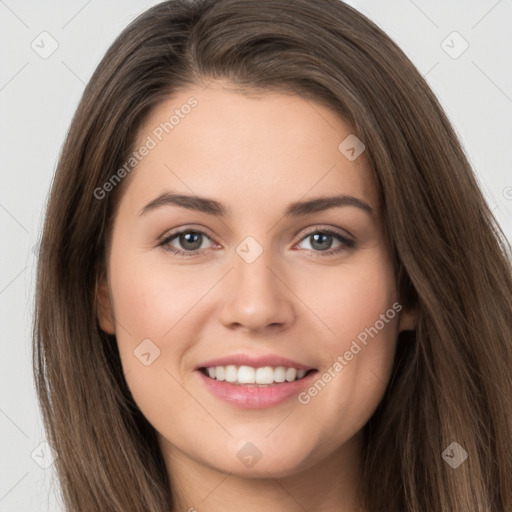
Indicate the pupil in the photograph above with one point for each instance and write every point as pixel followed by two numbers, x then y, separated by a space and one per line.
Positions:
pixel 319 244
pixel 188 238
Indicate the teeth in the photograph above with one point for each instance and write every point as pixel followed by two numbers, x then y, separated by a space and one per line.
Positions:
pixel 264 375
pixel 231 373
pixel 280 374
pixel 250 375
pixel 291 374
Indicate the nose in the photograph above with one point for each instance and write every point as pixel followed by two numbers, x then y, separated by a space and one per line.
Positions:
pixel 256 297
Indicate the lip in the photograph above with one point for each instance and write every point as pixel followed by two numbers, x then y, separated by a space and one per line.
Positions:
pixel 255 362
pixel 254 396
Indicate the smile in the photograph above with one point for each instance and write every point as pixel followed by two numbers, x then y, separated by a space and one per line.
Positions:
pixel 255 388
pixel 248 375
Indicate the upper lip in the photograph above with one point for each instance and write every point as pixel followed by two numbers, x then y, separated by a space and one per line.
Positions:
pixel 255 362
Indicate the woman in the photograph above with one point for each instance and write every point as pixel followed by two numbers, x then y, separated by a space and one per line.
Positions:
pixel 371 373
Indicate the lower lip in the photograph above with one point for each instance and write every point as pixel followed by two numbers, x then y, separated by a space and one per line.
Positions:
pixel 254 396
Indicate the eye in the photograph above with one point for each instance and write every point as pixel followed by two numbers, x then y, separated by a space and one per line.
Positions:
pixel 191 241
pixel 321 241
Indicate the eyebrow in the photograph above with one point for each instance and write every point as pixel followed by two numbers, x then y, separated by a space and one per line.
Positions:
pixel 296 209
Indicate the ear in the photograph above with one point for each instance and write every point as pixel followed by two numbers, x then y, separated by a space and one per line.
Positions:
pixel 408 320
pixel 104 310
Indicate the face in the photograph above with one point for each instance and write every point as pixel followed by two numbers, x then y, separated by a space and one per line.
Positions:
pixel 256 333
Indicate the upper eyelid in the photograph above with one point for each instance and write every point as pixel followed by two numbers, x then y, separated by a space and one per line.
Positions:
pixel 173 233
pixel 336 231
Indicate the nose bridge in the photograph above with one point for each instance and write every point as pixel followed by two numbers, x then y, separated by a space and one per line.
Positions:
pixel 252 263
pixel 257 297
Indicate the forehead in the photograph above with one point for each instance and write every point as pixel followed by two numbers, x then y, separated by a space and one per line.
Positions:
pixel 271 146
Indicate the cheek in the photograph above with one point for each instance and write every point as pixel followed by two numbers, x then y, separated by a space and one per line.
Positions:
pixel 151 299
pixel 361 310
pixel 351 299
pixel 153 307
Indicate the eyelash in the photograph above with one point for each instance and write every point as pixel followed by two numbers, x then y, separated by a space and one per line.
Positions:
pixel 166 239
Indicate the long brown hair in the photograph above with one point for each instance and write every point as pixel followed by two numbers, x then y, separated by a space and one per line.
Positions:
pixel 451 381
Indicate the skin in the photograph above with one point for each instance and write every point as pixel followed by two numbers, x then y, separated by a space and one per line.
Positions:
pixel 256 154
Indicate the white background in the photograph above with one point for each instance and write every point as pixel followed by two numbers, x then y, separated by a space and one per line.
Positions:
pixel 38 97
